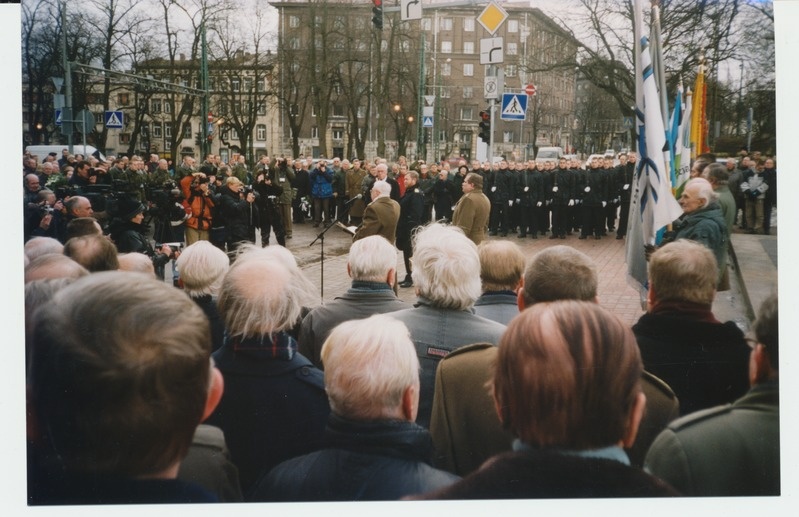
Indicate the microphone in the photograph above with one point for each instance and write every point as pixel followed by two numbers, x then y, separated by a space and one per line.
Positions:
pixel 352 200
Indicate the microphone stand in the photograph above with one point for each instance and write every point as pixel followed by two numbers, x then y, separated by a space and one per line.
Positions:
pixel 321 237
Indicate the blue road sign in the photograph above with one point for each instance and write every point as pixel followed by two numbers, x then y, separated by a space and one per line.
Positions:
pixel 58 117
pixel 427 122
pixel 114 119
pixel 514 106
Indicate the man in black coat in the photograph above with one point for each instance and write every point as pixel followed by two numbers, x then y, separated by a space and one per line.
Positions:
pixel 411 213
pixel 373 448
pixel 502 188
pixel 705 361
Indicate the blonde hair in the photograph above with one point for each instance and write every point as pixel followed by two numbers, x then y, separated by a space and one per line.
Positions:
pixel 683 270
pixel 501 265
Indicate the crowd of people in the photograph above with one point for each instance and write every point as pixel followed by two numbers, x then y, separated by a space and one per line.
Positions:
pixel 506 379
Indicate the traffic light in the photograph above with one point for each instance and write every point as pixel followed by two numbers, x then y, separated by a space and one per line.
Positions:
pixel 377 14
pixel 485 126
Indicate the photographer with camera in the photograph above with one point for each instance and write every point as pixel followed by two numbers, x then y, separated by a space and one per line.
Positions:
pixel 269 196
pixel 84 175
pixel 128 233
pixel 240 213
pixel 199 206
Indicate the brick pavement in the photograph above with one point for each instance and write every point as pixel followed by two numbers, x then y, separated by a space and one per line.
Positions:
pixel 614 292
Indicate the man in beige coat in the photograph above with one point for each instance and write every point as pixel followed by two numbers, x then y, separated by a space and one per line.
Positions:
pixel 473 208
pixel 381 215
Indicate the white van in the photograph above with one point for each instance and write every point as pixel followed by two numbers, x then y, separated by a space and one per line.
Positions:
pixel 549 154
pixel 41 151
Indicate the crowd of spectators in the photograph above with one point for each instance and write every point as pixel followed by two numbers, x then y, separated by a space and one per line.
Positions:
pixel 506 379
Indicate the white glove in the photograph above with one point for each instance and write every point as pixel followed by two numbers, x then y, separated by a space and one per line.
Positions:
pixel 538 204
pixel 526 189
pixel 626 186
pixel 571 202
pixel 588 189
pixel 510 202
pixel 604 204
pixel 493 189
pixel 518 200
pixel 555 188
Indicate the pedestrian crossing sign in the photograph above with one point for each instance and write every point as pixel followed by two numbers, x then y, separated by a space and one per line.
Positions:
pixel 427 122
pixel 514 106
pixel 114 119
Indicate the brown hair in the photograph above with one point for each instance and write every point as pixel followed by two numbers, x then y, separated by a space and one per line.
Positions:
pixel 683 271
pixel 567 375
pixel 501 265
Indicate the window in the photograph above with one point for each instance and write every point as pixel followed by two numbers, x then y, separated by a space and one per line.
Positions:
pixel 507 137
pixel 442 136
pixel 145 129
pixel 261 109
pixel 338 110
pixel 445 24
pixel 468 92
pixel 338 133
pixel 446 47
pixel 427 24
pixel 123 99
pixel 339 23
pixel 235 85
pixel 468 24
pixel 294 21
pixel 167 145
pixel 155 106
pixel 405 46
pixel 446 69
pixel 510 70
pixel 167 106
pixel 314 132
pixel 260 86
pixel 513 49
pixel 294 43
pixel 187 130
pixel 248 84
pixel 167 130
pixel 157 130
pixel 467 113
pixel 260 132
pixel 234 134
pixel 468 69
pixel 124 138
pixel 468 47
pixel 317 21
pixel 446 93
pixel 361 111
pixel 513 25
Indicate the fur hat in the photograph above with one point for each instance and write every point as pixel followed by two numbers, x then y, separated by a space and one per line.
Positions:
pixel 128 208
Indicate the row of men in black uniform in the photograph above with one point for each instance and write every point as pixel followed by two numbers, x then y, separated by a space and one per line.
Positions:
pixel 536 198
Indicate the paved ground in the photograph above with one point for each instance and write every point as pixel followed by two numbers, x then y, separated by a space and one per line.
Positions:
pixel 754 264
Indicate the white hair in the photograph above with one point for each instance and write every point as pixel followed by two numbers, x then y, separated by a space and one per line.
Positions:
pixel 371 258
pixel 257 299
pixel 383 187
pixel 369 364
pixel 301 285
pixel 202 267
pixel 704 190
pixel 446 267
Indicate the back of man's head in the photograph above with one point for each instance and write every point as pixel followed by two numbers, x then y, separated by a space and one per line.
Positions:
pixel 257 299
pixel 83 226
pixel 766 329
pixel 683 271
pixel 382 187
pixel 94 252
pixel 38 246
pixel 202 267
pixel 474 179
pixel 560 273
pixel 120 374
pixel 369 364
pixel 53 266
pixel 371 259
pixel 501 265
pixel 446 267
pixel 717 174
pixel 136 263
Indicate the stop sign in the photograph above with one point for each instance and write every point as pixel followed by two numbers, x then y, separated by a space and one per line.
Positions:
pixel 529 90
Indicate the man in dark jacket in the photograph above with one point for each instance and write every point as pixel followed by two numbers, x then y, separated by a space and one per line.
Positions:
pixel 374 450
pixel 372 266
pixel 274 407
pixel 239 212
pixel 502 188
pixel 411 212
pixel 705 361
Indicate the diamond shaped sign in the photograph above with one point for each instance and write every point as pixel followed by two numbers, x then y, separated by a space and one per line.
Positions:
pixel 492 17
